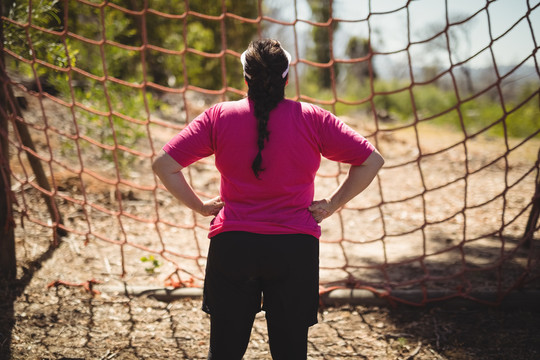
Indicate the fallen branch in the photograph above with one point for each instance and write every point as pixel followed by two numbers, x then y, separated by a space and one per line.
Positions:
pixel 87 285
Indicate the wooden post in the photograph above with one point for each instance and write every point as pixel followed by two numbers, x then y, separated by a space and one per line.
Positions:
pixel 8 262
pixel 11 105
pixel 535 211
pixel 35 162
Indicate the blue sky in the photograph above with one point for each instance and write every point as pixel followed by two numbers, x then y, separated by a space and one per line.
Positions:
pixel 390 33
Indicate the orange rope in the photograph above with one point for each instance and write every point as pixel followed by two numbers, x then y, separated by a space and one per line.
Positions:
pixel 161 230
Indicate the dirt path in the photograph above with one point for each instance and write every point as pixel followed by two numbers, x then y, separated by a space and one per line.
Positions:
pixel 68 323
pixel 421 236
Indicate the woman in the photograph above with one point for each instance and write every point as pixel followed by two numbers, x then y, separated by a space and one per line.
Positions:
pixel 264 236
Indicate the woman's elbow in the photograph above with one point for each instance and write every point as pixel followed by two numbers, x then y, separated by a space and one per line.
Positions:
pixel 156 165
pixel 159 164
pixel 375 160
pixel 380 160
pixel 164 164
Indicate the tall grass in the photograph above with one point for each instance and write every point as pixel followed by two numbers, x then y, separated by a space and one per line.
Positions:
pixel 513 114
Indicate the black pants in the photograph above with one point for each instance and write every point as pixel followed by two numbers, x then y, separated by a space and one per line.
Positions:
pixel 245 268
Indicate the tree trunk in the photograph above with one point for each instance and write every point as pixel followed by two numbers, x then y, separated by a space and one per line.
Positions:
pixel 8 263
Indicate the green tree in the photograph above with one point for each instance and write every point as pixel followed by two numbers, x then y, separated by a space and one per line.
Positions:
pixel 320 51
pixel 173 59
pixel 357 48
pixel 216 35
pixel 36 44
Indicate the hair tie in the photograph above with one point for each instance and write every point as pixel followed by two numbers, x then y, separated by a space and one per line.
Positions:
pixel 283 75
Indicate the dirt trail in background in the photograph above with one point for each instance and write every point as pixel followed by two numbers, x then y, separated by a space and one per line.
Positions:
pixel 37 322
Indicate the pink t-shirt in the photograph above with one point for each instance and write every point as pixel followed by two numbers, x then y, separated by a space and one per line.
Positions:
pixel 278 202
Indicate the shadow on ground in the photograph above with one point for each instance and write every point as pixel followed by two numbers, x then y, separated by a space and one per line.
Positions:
pixel 10 293
pixel 69 323
pixel 64 322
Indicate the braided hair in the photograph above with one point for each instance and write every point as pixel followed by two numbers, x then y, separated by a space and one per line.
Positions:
pixel 265 69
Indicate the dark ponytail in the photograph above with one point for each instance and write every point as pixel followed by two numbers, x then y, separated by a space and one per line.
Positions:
pixel 265 63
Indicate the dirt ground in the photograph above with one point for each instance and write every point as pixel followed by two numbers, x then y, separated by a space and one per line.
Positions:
pixel 38 321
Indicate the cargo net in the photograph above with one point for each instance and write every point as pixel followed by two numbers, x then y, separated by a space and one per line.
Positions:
pixel 93 90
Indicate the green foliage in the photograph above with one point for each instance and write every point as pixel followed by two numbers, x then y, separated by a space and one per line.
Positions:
pixel 182 63
pixel 113 130
pixel 486 114
pixel 522 121
pixel 320 51
pixel 36 44
pixel 356 48
pixel 402 341
pixel 395 98
pixel 153 262
pixel 440 107
pixel 185 38
pixel 430 100
pixel 177 35
pixel 398 104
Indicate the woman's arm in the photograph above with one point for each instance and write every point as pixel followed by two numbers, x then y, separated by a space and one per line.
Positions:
pixel 170 173
pixel 357 180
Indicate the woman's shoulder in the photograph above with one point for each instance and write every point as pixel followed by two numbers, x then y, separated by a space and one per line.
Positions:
pixel 231 104
pixel 299 106
pixel 312 109
pixel 225 108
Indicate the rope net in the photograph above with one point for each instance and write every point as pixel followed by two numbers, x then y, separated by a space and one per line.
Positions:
pixel 96 88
